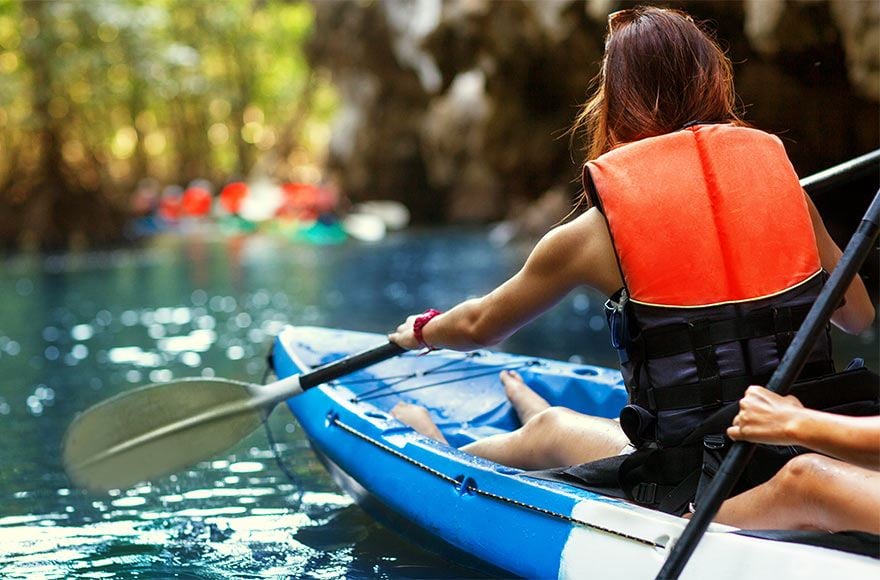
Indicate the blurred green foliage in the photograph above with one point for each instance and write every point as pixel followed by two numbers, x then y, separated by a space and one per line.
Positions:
pixel 99 94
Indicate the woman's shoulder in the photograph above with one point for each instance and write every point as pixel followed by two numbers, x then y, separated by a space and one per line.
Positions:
pixel 585 245
pixel 580 229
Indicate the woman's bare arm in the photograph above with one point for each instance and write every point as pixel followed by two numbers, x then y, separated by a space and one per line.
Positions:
pixel 765 417
pixel 568 256
pixel 857 313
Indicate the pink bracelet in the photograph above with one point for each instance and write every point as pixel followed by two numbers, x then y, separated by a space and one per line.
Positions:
pixel 420 323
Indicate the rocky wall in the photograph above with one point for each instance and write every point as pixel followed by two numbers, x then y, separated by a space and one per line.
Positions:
pixel 460 108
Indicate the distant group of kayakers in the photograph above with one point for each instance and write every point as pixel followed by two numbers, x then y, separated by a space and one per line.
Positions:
pixel 314 213
pixel 710 252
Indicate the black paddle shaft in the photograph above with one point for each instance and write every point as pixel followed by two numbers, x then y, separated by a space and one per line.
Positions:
pixel 349 364
pixel 829 298
pixel 833 177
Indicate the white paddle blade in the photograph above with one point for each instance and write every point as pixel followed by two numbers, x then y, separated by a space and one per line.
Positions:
pixel 157 430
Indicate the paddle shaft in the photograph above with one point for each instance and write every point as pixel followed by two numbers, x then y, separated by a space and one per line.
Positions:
pixel 267 396
pixel 349 364
pixel 846 171
pixel 734 464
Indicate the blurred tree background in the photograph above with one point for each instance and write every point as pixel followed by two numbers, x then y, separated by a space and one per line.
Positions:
pixel 97 95
pixel 457 108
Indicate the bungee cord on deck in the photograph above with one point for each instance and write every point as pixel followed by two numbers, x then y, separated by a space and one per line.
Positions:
pixel 387 388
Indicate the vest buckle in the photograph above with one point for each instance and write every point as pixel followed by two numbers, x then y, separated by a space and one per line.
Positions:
pixel 645 492
pixel 714 441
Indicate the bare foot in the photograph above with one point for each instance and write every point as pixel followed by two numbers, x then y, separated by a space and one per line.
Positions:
pixel 527 402
pixel 419 419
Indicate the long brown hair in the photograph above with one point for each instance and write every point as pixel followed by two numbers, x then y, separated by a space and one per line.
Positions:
pixel 661 70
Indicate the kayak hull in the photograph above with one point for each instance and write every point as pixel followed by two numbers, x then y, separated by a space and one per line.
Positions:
pixel 499 519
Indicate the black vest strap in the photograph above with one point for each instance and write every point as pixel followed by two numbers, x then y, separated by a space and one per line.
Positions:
pixel 715 391
pixel 678 338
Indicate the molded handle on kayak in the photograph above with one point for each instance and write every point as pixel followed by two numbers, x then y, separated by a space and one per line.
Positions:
pixel 349 364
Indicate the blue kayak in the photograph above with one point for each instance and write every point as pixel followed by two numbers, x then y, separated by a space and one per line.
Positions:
pixel 489 515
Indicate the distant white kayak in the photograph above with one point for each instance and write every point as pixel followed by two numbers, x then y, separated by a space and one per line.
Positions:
pixel 393 214
pixel 364 227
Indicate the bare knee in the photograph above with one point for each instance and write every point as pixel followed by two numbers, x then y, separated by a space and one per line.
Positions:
pixel 544 434
pixel 546 421
pixel 807 480
pixel 566 437
pixel 806 474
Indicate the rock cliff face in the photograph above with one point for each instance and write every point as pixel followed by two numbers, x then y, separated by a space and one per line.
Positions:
pixel 460 108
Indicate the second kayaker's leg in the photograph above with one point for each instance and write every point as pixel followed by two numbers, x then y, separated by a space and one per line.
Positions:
pixel 811 492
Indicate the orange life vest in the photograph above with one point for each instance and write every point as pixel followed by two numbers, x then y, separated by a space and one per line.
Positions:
pixel 706 215
pixel 720 265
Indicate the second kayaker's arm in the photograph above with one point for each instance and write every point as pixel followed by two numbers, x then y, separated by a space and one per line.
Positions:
pixel 857 312
pixel 772 419
pixel 574 254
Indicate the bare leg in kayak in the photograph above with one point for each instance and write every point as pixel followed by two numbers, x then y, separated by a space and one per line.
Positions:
pixel 549 437
pixel 811 492
pixel 526 402
pixel 419 419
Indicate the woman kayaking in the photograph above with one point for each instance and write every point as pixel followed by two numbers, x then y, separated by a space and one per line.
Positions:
pixel 710 253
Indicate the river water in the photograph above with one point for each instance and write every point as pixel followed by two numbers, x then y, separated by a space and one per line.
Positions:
pixel 78 328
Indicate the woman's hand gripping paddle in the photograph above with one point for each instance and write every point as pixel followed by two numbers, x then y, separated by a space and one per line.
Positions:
pixel 159 429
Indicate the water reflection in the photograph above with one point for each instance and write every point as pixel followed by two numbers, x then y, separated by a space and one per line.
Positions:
pixel 76 329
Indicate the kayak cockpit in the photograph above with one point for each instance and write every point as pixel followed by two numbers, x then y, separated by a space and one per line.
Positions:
pixel 461 391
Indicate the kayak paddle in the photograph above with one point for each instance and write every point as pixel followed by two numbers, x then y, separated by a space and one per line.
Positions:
pixel 792 362
pixel 159 429
pixel 833 177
